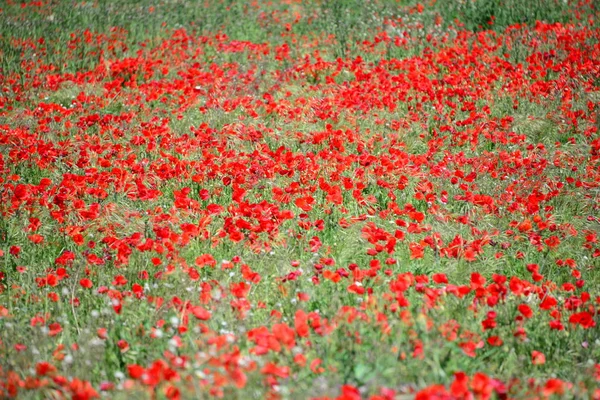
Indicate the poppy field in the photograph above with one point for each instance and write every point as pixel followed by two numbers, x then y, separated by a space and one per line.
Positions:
pixel 338 199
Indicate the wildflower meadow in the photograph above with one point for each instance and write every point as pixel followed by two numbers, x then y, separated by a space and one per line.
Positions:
pixel 286 199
